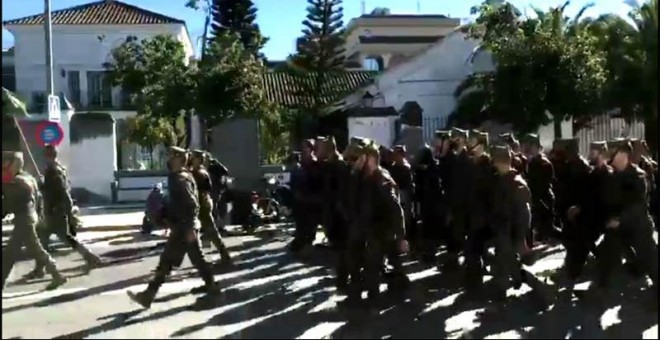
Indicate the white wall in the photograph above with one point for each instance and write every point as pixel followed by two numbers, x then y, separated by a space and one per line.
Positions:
pixel 429 78
pixel 378 129
pixel 93 164
pixel 75 47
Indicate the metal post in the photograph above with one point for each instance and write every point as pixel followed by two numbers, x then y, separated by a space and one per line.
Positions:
pixel 48 28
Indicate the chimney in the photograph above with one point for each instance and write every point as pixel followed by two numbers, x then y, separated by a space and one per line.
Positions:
pixel 364 7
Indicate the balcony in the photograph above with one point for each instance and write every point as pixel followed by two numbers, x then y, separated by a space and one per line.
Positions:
pixel 95 102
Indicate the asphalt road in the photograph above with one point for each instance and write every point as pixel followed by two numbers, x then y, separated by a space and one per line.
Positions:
pixel 269 294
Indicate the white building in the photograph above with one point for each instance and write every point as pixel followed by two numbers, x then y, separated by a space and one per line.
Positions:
pixel 430 78
pixel 82 39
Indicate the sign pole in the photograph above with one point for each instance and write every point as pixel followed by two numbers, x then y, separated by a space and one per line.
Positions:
pixel 48 28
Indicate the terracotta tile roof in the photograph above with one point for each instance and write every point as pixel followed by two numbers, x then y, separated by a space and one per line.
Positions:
pixel 283 89
pixel 103 12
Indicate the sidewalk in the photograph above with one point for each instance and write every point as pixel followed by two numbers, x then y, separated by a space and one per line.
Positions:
pixel 102 219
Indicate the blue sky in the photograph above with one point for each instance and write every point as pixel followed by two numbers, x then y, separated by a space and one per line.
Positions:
pixel 280 20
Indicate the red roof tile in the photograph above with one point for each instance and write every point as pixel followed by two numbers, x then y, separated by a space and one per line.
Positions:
pixel 104 12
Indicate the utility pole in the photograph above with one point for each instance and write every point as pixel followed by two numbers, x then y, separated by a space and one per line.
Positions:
pixel 48 28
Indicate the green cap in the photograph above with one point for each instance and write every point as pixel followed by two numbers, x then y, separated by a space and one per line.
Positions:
pixel 600 146
pixel 459 133
pixel 532 139
pixel 508 138
pixel 500 153
pixel 442 134
pixel 480 137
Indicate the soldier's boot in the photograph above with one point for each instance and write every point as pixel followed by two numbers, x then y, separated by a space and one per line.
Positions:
pixel 36 273
pixel 57 281
pixel 544 294
pixel 225 257
pixel 210 288
pixel 144 299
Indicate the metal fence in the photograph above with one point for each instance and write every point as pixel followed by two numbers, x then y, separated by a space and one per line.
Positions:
pixel 604 128
pixel 431 124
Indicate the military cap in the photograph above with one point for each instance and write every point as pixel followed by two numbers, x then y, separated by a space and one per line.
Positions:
pixel 508 138
pixel 177 151
pixel 371 148
pixel 500 153
pixel 570 145
pixel 199 153
pixel 480 137
pixel 399 149
pixel 600 146
pixel 620 145
pixel 309 143
pixel 532 139
pixel 11 156
pixel 459 133
pixel 354 140
pixel 442 134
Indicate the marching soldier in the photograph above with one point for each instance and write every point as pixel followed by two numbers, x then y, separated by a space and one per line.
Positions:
pixel 540 177
pixel 429 197
pixel 58 211
pixel 182 218
pixel 511 222
pixel 457 196
pixel 518 161
pixel 385 155
pixel 218 173
pixel 307 201
pixel 401 172
pixel 571 172
pixel 204 189
pixel 590 214
pixel 481 174
pixel 383 220
pixel 20 193
pixel 629 223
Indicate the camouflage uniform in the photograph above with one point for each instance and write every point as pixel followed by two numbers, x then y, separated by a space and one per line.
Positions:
pixel 401 172
pixel 182 218
pixel 540 176
pixel 58 212
pixel 511 219
pixel 481 174
pixel 383 222
pixel 635 229
pixel 21 197
pixel 204 188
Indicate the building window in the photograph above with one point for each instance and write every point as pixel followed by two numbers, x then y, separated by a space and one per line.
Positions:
pixel 39 100
pixel 99 89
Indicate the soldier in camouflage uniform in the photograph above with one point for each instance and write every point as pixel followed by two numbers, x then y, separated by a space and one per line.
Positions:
pixel 401 172
pixel 629 223
pixel 519 160
pixel 58 211
pixel 307 206
pixel 510 222
pixel 591 215
pixel 430 200
pixel 382 218
pixel 459 210
pixel 540 177
pixel 204 188
pixel 20 196
pixel 481 173
pixel 182 213
pixel 385 155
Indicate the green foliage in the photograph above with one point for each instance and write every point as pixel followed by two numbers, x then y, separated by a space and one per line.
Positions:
pixel 233 16
pixel 229 82
pixel 149 132
pixel 154 72
pixel 542 66
pixel 274 136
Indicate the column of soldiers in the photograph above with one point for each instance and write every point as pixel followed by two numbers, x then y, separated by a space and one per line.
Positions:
pixel 40 208
pixel 467 195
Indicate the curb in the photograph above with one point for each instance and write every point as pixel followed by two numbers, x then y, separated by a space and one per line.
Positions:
pixel 106 228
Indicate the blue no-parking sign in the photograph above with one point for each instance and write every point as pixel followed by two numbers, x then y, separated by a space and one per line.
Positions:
pixel 50 133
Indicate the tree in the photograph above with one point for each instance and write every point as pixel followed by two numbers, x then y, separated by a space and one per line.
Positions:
pixel 229 83
pixel 541 67
pixel 232 16
pixel 319 57
pixel 631 48
pixel 155 74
